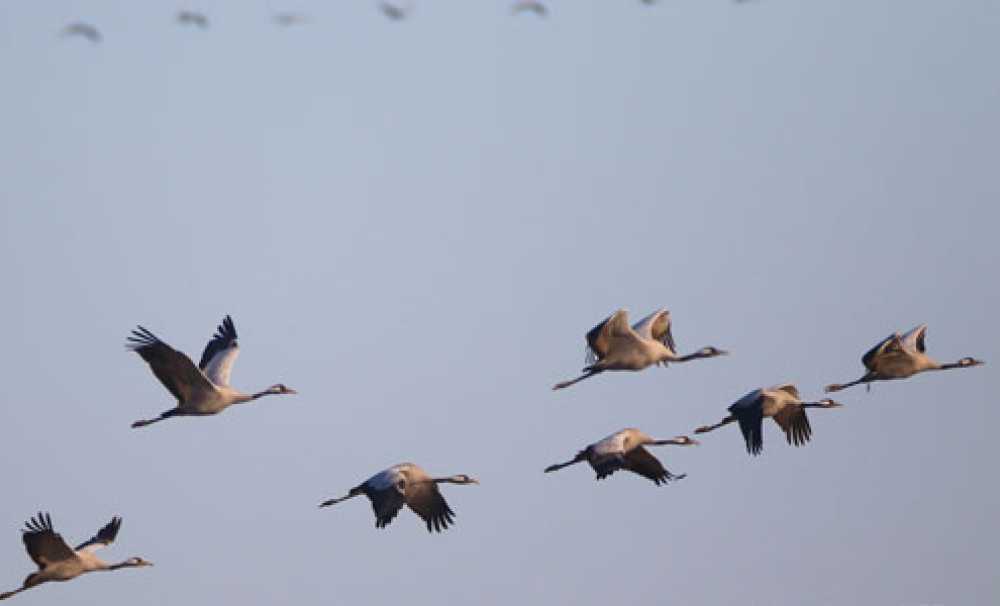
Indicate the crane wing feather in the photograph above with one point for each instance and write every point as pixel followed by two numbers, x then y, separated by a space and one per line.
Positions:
pixel 425 499
pixel 386 504
pixel 174 369
pixel 385 491
pixel 749 411
pixel 642 462
pixel 606 464
pixel 888 344
pixel 601 338
pixel 104 537
pixel 793 421
pixel 656 326
pixel 43 544
pixel 220 353
pixel 916 339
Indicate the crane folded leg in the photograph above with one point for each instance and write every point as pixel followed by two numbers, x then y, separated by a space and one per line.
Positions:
pixel 589 372
pixel 163 416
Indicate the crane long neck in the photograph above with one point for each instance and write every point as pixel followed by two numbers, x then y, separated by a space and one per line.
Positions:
pixel 666 442
pixel 125 564
pixel 950 365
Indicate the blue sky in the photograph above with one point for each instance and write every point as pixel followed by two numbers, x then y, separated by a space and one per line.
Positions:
pixel 415 223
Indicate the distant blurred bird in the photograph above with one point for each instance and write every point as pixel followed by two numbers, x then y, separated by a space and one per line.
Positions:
pixel 613 345
pixel 899 357
pixel 624 450
pixel 200 390
pixel 84 30
pixel 406 483
pixel 783 404
pixel 290 19
pixel 192 18
pixel 57 562
pixel 395 12
pixel 533 6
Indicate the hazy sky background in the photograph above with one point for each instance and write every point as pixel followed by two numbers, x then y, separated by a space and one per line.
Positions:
pixel 415 223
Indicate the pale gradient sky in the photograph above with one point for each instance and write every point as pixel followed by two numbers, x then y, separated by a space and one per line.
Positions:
pixel 415 223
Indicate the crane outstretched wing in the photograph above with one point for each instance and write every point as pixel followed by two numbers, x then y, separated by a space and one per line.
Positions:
pixel 425 499
pixel 174 369
pixel 601 338
pixel 104 537
pixel 605 464
pixel 888 344
pixel 749 411
pixel 385 491
pixel 793 421
pixel 916 339
pixel 641 461
pixel 220 353
pixel 44 545
pixel 656 326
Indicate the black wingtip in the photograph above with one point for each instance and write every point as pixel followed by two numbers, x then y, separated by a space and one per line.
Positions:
pixel 227 329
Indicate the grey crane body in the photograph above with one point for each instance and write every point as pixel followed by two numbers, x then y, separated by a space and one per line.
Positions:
pixel 200 390
pixel 625 450
pixel 781 403
pixel 406 484
pixel 614 345
pixel 900 357
pixel 290 19
pixel 192 18
pixel 529 6
pixel 84 30
pixel 57 562
pixel 395 12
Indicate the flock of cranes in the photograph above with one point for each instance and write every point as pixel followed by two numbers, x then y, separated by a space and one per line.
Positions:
pixel 612 345
pixel 392 11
